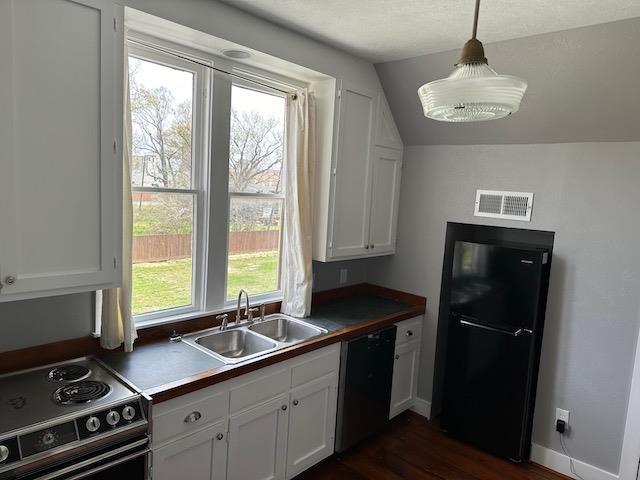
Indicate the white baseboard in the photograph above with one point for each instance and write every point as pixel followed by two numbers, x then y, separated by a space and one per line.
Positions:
pixel 422 407
pixel 560 463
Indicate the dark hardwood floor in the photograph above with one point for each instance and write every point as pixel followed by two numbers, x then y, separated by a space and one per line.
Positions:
pixel 413 448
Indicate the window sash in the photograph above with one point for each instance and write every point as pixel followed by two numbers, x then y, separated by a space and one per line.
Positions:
pixel 199 153
pixel 275 294
pixel 263 296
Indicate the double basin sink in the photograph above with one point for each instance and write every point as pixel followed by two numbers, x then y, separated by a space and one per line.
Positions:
pixel 250 340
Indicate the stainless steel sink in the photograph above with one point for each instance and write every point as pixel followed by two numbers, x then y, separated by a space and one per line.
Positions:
pixel 250 340
pixel 285 330
pixel 236 345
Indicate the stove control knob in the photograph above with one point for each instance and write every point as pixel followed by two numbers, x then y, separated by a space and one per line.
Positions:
pixel 48 439
pixel 128 413
pixel 4 453
pixel 93 424
pixel 113 418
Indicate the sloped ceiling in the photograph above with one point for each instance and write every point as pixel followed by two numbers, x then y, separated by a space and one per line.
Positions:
pixel 584 86
pixel 384 30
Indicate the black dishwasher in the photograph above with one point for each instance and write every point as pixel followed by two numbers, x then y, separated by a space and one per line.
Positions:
pixel 364 395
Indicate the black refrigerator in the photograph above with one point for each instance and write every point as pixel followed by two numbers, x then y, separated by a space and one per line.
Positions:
pixel 497 302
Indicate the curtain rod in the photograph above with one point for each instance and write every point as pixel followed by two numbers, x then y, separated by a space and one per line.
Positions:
pixel 294 95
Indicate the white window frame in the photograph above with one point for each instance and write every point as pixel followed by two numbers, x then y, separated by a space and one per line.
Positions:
pixel 274 295
pixel 211 233
pixel 199 169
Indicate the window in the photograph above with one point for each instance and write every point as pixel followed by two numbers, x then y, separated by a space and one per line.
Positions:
pixel 256 197
pixel 167 191
pixel 207 184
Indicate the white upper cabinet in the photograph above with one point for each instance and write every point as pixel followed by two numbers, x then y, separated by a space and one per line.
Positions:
pixel 387 134
pixel 385 196
pixel 352 173
pixel 357 184
pixel 61 136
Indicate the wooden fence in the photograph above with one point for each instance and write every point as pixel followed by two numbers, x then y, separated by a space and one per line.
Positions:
pixel 158 248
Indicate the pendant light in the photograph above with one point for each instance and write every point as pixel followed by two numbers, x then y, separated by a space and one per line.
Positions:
pixel 474 91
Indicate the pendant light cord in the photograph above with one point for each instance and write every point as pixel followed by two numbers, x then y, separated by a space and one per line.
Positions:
pixel 475 19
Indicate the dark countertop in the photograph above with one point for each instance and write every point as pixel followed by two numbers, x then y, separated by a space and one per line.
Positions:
pixel 159 363
pixel 351 311
pixel 166 369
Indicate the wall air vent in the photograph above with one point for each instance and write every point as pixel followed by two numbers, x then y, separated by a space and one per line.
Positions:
pixel 505 205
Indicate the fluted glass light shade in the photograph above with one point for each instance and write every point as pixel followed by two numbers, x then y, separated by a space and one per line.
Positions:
pixel 474 91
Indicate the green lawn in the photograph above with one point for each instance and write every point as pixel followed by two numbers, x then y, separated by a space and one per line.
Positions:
pixel 163 285
pixel 255 272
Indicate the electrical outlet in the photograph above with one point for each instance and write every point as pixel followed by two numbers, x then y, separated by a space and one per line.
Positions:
pixel 562 415
pixel 343 275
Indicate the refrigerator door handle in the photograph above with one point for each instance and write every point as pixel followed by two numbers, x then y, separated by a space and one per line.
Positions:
pixel 514 333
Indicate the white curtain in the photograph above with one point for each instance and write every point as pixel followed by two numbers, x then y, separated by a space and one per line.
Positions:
pixel 298 210
pixel 113 306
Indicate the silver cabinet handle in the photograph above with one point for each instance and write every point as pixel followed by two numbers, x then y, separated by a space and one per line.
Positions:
pixel 409 333
pixel 295 402
pixel 397 357
pixel 192 417
pixel 10 280
pixel 220 436
pixel 283 407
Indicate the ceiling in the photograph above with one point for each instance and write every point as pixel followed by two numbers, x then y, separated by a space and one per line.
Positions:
pixel 385 30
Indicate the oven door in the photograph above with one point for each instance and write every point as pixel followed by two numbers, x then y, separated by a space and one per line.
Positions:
pixel 128 461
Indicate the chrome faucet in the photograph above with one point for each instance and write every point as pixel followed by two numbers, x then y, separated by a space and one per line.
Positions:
pixel 246 308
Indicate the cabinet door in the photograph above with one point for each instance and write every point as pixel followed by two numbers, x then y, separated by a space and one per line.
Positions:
pixel 312 424
pixel 405 377
pixel 387 134
pixel 200 456
pixel 385 196
pixel 352 174
pixel 61 160
pixel 258 442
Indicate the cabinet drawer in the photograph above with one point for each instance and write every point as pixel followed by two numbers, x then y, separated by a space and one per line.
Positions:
pixel 189 416
pixel 409 330
pixel 315 365
pixel 258 387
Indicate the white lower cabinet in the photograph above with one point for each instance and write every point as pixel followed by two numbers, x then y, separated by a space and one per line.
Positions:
pixel 200 456
pixel 258 442
pixel 269 424
pixel 312 423
pixel 406 364
pixel 405 373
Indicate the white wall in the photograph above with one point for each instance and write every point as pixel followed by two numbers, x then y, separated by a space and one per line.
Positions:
pixel 26 323
pixel 588 193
